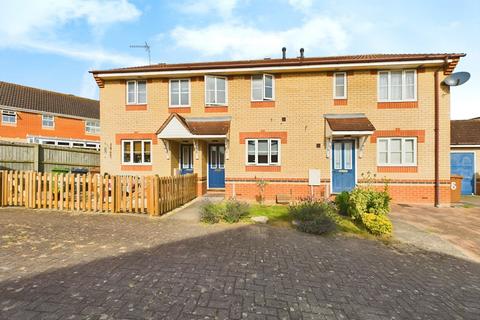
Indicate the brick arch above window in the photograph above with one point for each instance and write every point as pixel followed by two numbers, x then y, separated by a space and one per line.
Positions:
pixel 419 134
pixel 282 135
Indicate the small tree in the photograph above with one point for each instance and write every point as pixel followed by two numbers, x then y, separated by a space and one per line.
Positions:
pixel 261 184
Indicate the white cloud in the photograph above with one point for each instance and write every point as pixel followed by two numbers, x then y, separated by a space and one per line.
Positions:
pixel 37 25
pixel 241 41
pixel 301 5
pixel 223 8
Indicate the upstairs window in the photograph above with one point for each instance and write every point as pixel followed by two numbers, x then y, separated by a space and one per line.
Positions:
pixel 48 121
pixel 340 85
pixel 215 90
pixel 263 151
pixel 398 85
pixel 263 87
pixel 136 152
pixel 137 92
pixel 92 127
pixel 397 151
pixel 9 117
pixel 180 92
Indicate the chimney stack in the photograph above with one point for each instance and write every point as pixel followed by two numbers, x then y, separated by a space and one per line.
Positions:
pixel 284 53
pixel 301 53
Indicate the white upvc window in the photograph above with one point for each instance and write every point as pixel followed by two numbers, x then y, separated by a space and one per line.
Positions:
pixel 397 151
pixel 9 117
pixel 263 87
pixel 92 127
pixel 179 93
pixel 136 92
pixel 48 121
pixel 216 90
pixel 397 85
pixel 340 85
pixel 136 151
pixel 263 151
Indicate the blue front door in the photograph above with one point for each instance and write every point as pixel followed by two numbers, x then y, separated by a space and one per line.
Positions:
pixel 343 165
pixel 463 163
pixel 216 166
pixel 186 158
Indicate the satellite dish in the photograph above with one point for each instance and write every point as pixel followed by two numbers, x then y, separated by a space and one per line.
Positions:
pixel 456 79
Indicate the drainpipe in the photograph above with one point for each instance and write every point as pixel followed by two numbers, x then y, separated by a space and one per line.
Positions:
pixel 437 142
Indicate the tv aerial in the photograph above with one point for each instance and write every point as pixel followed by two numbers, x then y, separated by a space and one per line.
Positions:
pixel 456 79
pixel 143 46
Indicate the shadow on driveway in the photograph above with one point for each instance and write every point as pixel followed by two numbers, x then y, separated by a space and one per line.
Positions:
pixel 244 271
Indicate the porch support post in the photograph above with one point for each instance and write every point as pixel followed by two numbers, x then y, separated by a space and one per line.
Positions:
pixel 166 145
pixel 227 148
pixel 361 146
pixel 328 146
pixel 195 147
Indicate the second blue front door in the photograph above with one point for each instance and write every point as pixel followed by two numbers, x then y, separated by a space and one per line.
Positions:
pixel 216 166
pixel 343 165
pixel 463 163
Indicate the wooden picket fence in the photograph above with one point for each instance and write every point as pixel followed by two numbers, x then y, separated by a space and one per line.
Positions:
pixel 96 193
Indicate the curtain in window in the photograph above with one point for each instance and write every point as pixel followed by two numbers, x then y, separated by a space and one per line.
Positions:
pixel 257 87
pixel 263 151
pixel 339 85
pixel 142 92
pixel 409 85
pixel 251 151
pixel 409 151
pixel 383 151
pixel 396 151
pixel 396 77
pixel 383 86
pixel 131 92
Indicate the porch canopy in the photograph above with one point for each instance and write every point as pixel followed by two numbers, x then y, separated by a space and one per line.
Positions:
pixel 349 125
pixel 193 129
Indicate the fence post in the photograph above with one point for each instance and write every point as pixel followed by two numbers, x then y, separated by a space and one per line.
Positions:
pixel 1 189
pixel 36 157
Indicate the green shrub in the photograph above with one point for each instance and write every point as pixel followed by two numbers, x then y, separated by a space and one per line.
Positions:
pixel 341 201
pixel 318 225
pixel 377 224
pixel 235 210
pixel 313 216
pixel 367 200
pixel 211 212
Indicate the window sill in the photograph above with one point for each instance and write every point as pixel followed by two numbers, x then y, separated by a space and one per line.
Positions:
pixel 216 109
pixel 262 104
pixel 136 167
pixel 179 109
pixel 340 102
pixel 397 169
pixel 9 124
pixel 266 168
pixel 397 104
pixel 135 107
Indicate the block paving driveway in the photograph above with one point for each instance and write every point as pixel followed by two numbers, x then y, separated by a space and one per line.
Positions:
pixel 78 266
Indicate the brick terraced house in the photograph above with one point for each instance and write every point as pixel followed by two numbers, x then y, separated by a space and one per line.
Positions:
pixel 303 125
pixel 40 116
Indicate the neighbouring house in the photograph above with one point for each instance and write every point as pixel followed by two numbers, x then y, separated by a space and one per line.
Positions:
pixel 45 117
pixel 303 125
pixel 465 148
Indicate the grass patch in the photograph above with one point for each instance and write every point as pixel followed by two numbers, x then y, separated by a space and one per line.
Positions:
pixel 347 225
pixel 277 215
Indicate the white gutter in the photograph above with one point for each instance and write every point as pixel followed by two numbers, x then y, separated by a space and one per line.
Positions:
pixel 351 133
pixel 465 146
pixel 193 136
pixel 273 68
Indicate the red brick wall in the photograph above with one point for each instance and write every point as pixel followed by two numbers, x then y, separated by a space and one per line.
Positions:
pixel 400 193
pixel 31 124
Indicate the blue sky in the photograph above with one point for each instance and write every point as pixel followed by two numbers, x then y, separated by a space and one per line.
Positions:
pixel 52 44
